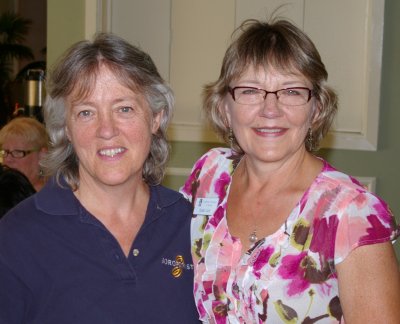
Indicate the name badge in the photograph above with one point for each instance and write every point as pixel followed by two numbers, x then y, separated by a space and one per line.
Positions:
pixel 205 206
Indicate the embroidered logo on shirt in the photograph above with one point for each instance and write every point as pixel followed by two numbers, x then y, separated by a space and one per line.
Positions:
pixel 178 265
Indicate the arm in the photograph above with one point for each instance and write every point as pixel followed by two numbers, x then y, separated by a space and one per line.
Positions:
pixel 369 285
pixel 13 297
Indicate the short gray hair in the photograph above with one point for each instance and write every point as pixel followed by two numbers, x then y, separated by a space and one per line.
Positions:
pixel 76 73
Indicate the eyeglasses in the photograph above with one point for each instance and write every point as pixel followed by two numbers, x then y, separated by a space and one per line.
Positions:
pixel 289 97
pixel 17 154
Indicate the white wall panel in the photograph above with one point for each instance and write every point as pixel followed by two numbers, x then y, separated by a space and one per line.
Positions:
pixel 187 40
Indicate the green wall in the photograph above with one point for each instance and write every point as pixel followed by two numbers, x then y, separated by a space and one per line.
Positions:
pixel 385 162
pixel 65 26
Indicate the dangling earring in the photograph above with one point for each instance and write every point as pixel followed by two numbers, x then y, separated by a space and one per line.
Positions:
pixel 310 140
pixel 231 137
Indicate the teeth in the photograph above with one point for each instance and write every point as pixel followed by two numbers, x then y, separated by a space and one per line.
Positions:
pixel 269 130
pixel 111 152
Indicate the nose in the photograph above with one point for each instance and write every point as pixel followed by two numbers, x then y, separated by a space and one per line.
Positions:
pixel 107 126
pixel 270 106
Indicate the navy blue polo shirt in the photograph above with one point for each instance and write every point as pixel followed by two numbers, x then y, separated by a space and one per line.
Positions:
pixel 59 264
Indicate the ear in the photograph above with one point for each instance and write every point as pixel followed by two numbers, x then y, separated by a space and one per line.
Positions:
pixel 67 133
pixel 156 121
pixel 42 152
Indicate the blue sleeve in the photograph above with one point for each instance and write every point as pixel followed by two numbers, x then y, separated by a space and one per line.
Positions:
pixel 13 297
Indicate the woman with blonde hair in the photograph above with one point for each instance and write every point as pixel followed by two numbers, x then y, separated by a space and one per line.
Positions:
pixel 23 143
pixel 278 234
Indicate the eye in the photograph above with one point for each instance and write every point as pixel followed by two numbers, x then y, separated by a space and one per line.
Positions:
pixel 292 92
pixel 248 91
pixel 125 109
pixel 85 113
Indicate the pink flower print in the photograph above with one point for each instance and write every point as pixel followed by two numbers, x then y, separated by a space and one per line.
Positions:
pixel 291 269
pixel 188 187
pixel 385 214
pixel 377 231
pixel 220 310
pixel 302 270
pixel 221 279
pixel 323 203
pixel 354 180
pixel 328 167
pixel 324 236
pixel 216 218
pixel 200 308
pixel 221 185
pixel 264 297
pixel 208 287
pixel 261 260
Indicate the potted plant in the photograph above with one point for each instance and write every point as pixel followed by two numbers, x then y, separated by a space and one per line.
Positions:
pixel 13 29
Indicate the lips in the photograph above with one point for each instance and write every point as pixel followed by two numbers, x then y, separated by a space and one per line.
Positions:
pixel 111 152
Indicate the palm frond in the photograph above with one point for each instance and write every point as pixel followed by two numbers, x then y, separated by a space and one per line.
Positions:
pixel 13 28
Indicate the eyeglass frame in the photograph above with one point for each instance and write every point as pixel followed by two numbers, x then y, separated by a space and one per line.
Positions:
pixel 310 94
pixel 5 153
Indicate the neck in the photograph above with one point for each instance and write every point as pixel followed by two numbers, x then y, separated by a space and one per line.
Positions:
pixel 260 176
pixel 113 201
pixel 39 183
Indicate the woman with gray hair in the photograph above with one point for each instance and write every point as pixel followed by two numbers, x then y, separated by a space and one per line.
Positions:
pixel 103 242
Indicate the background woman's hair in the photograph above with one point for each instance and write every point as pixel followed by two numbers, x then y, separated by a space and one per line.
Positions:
pixel 30 130
pixel 76 73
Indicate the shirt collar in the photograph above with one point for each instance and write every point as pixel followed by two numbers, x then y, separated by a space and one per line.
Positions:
pixel 58 199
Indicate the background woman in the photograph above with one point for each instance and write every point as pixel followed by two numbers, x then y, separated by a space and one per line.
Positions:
pixel 14 187
pixel 102 242
pixel 278 234
pixel 23 143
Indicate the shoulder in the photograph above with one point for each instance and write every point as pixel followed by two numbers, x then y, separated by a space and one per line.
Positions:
pixel 21 213
pixel 167 198
pixel 39 210
pixel 337 186
pixel 356 216
pixel 215 165
pixel 337 196
pixel 215 156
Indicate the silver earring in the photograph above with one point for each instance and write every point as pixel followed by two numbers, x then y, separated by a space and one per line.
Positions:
pixel 310 140
pixel 231 137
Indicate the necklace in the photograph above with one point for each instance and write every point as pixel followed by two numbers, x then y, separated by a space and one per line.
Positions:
pixel 253 235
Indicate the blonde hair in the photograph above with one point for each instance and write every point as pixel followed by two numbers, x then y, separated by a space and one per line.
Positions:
pixel 28 129
pixel 279 44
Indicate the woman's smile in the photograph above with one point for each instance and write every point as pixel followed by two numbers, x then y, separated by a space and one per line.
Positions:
pixel 111 152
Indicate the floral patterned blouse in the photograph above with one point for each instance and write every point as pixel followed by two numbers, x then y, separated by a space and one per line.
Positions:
pixel 289 276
